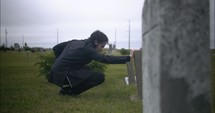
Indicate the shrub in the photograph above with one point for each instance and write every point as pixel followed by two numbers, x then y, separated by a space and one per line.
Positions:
pixel 124 51
pixel 97 66
pixel 46 61
pixel 3 48
pixel 45 64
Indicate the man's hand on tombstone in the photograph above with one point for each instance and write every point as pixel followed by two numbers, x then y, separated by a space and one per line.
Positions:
pixel 132 53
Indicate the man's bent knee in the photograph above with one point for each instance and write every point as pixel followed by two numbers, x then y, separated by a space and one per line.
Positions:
pixel 100 78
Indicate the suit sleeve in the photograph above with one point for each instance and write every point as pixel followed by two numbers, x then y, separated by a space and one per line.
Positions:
pixel 109 59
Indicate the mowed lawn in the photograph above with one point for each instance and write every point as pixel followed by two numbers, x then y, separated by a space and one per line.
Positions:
pixel 23 91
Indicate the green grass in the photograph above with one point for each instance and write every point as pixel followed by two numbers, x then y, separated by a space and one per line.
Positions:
pixel 23 91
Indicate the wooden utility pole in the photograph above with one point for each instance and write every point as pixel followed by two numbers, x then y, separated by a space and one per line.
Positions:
pixel 0 41
pixel 115 39
pixel 5 37
pixel 212 23
pixel 23 40
pixel 129 35
pixel 57 36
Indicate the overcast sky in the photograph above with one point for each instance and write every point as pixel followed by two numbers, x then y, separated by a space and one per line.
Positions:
pixel 38 20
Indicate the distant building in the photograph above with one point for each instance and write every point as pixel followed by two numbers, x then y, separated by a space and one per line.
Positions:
pixel 16 46
pixel 110 48
pixel 114 46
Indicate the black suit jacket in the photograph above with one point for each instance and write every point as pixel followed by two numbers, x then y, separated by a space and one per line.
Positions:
pixel 72 56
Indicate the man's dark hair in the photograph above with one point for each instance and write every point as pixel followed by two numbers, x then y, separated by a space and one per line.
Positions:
pixel 98 36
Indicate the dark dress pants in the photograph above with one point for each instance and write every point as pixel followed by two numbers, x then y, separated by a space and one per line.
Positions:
pixel 82 84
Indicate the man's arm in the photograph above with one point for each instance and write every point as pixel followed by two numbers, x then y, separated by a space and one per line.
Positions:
pixel 110 59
